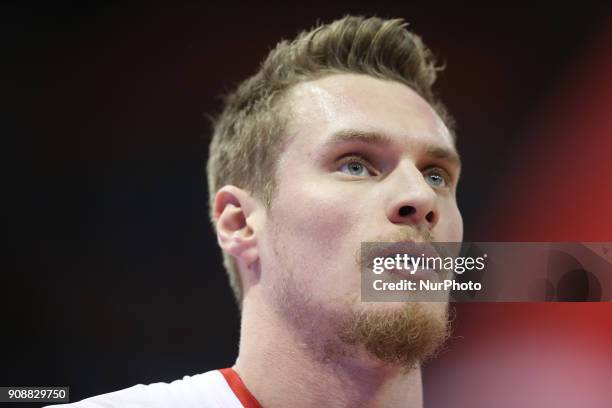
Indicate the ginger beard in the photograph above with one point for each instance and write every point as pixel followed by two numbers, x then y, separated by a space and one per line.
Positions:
pixel 401 334
pixel 406 336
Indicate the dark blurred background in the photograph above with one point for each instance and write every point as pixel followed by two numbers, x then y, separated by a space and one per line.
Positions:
pixel 113 275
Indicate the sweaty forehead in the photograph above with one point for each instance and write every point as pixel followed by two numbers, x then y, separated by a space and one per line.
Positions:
pixel 352 101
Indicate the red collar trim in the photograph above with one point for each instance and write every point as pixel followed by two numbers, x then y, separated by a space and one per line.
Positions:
pixel 239 389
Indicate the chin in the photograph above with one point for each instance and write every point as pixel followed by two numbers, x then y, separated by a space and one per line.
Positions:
pixel 395 333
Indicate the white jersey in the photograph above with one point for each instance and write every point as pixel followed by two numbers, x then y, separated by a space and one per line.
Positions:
pixel 214 389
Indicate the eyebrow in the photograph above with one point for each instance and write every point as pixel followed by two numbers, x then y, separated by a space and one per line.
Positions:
pixel 375 138
pixel 353 135
pixel 442 153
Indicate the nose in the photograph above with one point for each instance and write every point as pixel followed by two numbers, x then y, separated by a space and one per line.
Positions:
pixel 413 200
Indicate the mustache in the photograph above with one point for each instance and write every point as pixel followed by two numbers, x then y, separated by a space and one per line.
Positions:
pixel 368 252
pixel 405 235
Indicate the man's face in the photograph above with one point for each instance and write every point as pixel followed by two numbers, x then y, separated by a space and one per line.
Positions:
pixel 365 160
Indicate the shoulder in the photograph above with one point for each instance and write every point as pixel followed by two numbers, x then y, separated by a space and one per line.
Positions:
pixel 209 389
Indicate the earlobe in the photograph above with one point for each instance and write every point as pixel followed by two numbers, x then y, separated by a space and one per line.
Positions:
pixel 232 208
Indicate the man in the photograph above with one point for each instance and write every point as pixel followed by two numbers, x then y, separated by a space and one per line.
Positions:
pixel 337 140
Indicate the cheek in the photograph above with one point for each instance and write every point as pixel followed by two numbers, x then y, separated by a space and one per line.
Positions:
pixel 316 212
pixel 319 237
pixel 450 227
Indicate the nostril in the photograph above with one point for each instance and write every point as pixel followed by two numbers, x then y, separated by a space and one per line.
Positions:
pixel 429 217
pixel 406 211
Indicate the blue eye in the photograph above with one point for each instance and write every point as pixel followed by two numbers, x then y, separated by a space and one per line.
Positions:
pixel 436 179
pixel 355 168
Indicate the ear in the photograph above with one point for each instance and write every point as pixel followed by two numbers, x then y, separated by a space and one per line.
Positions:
pixel 233 212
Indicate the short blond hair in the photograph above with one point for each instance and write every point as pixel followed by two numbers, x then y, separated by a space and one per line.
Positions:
pixel 248 134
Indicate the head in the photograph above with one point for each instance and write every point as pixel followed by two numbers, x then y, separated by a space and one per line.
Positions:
pixel 337 140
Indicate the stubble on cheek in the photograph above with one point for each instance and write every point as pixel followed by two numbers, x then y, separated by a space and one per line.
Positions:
pixel 404 336
pixel 305 241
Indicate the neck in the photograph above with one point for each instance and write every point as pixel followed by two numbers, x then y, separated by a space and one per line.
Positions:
pixel 281 367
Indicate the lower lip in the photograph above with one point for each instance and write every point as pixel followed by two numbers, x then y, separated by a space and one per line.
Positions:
pixel 421 274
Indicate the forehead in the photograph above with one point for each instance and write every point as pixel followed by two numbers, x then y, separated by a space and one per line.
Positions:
pixel 321 107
